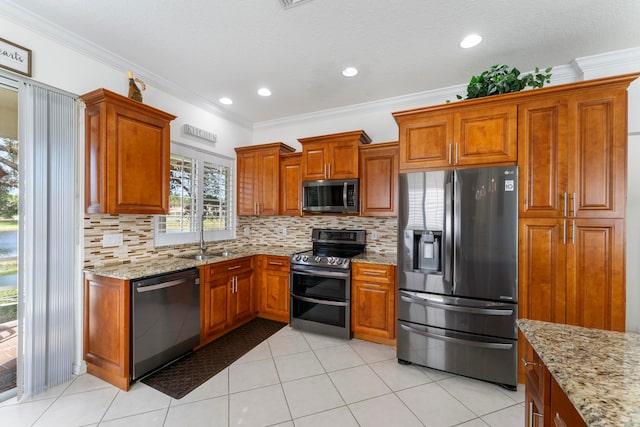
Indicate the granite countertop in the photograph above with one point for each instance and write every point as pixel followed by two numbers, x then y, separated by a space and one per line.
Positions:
pixel 129 271
pixel 598 370
pixel 376 258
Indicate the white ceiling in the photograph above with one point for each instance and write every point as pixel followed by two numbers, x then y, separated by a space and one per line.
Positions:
pixel 233 47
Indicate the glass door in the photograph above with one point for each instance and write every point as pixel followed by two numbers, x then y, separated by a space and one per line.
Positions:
pixel 8 241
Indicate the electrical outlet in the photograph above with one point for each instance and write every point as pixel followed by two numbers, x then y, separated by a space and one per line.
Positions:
pixel 284 231
pixel 247 231
pixel 374 235
pixel 110 240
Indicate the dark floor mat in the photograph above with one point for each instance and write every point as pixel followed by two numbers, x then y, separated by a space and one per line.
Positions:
pixel 181 377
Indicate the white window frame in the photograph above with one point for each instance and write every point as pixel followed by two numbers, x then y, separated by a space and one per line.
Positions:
pixel 166 239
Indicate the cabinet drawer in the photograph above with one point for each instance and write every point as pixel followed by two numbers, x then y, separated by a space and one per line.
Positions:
pixel 373 273
pixel 274 262
pixel 227 267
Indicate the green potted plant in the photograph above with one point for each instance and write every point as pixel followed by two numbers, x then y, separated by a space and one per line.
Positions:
pixel 499 79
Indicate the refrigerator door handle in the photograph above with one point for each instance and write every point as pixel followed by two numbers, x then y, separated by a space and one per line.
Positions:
pixel 448 232
pixel 489 345
pixel 457 273
pixel 462 309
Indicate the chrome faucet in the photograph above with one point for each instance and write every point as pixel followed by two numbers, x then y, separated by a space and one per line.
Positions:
pixel 203 247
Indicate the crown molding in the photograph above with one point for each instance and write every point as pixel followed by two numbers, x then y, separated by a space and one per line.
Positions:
pixel 609 63
pixel 561 74
pixel 48 29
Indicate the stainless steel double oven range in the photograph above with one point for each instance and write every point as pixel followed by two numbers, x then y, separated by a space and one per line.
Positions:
pixel 320 282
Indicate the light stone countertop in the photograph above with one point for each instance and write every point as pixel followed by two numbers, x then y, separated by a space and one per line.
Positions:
pixel 376 258
pixel 598 370
pixel 129 271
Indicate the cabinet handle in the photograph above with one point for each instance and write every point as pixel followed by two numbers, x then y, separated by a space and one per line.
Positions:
pixel 532 414
pixel 255 208
pixel 558 421
pixel 573 232
pixel 329 174
pixel 372 285
pixel 372 273
pixel 526 363
pixel 325 171
pixel 275 263
pixel 564 231
pixel 456 154
pixel 450 153
pixel 573 203
pixel 565 204
pixel 234 267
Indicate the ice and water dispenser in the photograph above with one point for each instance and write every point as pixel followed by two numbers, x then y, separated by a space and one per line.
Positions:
pixel 423 250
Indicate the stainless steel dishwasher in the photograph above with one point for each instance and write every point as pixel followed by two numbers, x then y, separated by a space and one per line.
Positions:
pixel 165 319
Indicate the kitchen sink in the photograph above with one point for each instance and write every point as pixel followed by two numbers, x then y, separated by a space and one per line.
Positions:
pixel 206 256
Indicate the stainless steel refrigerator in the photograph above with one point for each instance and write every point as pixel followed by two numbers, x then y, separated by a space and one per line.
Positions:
pixel 458 272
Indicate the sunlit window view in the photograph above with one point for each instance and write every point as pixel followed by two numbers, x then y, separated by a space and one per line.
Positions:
pixel 199 193
pixel 8 238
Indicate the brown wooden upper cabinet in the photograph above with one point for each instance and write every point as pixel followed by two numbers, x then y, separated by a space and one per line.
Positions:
pixel 572 152
pixel 126 155
pixel 290 184
pixel 379 179
pixel 332 156
pixel 259 178
pixel 458 134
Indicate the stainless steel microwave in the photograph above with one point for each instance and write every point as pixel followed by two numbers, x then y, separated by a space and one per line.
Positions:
pixel 330 196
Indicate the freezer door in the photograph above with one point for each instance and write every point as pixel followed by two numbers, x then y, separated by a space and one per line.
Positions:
pixel 477 356
pixel 493 318
pixel 486 233
pixel 425 237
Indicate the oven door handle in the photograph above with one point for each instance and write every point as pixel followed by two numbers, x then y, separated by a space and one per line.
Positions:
pixel 321 301
pixel 321 273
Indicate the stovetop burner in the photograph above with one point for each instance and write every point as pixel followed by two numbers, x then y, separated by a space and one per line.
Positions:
pixel 332 248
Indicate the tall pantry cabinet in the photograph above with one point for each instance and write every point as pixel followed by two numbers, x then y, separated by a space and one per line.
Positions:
pixel 572 158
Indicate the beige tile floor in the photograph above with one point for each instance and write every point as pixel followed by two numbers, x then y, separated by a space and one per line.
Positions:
pixel 292 379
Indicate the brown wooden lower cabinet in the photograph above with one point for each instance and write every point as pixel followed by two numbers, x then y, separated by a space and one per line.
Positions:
pixel 546 404
pixel 106 328
pixel 273 295
pixel 373 302
pixel 227 297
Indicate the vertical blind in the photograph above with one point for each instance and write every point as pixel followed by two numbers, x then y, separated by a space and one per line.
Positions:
pixel 47 135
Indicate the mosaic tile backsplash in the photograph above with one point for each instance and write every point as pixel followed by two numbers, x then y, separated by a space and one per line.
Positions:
pixel 138 243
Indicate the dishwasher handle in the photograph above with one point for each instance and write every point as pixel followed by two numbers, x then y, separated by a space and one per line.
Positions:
pixel 163 285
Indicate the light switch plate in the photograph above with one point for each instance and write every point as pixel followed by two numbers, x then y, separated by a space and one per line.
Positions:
pixel 374 235
pixel 247 231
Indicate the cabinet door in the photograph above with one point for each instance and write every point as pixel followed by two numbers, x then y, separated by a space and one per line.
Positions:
pixel 315 157
pixel 379 180
pixel 595 274
pixel 343 160
pixel 248 169
pixel 598 144
pixel 242 297
pixel 139 141
pixel 485 135
pixel 373 309
pixel 274 295
pixel 542 269
pixel 290 185
pixel 542 157
pixel 425 141
pixel 215 307
pixel 106 328
pixel 268 182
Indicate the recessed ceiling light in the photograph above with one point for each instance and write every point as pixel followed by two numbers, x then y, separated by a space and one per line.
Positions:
pixel 470 41
pixel 263 91
pixel 349 71
pixel 226 101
